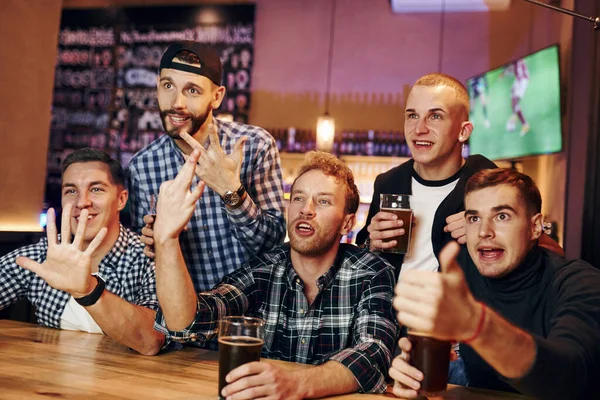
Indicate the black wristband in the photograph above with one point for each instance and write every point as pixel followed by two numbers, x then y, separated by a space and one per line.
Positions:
pixel 93 297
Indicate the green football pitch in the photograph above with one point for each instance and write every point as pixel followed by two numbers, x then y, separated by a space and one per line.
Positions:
pixel 540 106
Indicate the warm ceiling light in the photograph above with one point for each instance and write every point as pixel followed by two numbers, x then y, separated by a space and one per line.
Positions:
pixel 410 6
pixel 325 133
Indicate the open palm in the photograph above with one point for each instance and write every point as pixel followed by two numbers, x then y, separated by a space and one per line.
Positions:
pixel 66 267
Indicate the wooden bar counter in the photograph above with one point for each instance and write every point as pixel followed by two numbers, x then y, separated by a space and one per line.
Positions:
pixel 42 363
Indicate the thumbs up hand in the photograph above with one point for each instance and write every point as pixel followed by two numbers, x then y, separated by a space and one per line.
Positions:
pixel 438 304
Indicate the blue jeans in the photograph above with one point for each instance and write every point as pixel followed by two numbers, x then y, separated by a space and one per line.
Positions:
pixel 457 374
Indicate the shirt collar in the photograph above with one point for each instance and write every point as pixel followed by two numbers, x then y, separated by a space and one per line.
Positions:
pixel 117 251
pixel 324 280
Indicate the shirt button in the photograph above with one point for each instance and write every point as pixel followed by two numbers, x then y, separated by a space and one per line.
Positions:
pixel 193 337
pixel 301 311
pixel 303 341
pixel 210 252
pixel 205 227
pixel 298 281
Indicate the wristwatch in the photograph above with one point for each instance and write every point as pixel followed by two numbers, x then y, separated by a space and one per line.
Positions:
pixel 93 297
pixel 234 199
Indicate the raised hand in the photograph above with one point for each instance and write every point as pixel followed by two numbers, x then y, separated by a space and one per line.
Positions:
pixel 176 203
pixel 220 171
pixel 68 267
pixel 438 304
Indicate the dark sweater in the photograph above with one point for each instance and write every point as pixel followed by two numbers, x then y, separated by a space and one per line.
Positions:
pixel 556 300
pixel 399 180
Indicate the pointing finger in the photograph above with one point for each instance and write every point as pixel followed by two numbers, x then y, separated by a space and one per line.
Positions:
pixel 186 174
pixel 191 141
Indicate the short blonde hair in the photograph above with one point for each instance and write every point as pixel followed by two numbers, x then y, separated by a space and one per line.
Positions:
pixel 439 79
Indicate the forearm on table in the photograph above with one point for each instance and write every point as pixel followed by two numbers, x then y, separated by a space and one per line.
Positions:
pixel 505 347
pixel 331 378
pixel 174 288
pixel 128 324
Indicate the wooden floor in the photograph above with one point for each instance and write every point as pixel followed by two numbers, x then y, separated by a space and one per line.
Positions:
pixel 42 363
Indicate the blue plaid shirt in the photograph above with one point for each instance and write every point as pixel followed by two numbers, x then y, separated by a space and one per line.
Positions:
pixel 218 240
pixel 351 320
pixel 127 271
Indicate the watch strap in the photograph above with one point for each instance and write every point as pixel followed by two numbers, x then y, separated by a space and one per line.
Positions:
pixel 93 297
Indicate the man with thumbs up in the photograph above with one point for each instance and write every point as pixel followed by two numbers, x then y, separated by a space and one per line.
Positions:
pixel 241 212
pixel 527 319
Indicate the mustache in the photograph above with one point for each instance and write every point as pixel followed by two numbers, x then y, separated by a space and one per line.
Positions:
pixel 173 112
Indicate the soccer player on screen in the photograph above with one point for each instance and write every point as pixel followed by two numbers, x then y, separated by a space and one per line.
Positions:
pixel 521 73
pixel 478 88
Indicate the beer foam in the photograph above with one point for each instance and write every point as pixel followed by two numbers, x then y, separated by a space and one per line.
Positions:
pixel 241 341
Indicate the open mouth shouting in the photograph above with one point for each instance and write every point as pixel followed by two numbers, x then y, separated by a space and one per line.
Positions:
pixel 178 120
pixel 304 229
pixel 490 253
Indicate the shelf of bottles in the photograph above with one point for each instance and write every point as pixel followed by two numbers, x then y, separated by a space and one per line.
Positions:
pixel 347 142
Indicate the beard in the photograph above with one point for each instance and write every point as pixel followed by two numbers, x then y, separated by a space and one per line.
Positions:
pixel 196 122
pixel 318 244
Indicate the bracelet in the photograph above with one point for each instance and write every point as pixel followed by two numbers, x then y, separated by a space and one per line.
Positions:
pixel 367 243
pixel 479 325
pixel 93 297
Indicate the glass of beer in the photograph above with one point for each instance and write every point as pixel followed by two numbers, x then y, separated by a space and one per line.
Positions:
pixel 398 204
pixel 432 357
pixel 240 342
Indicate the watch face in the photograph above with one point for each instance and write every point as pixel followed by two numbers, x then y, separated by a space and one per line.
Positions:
pixel 234 199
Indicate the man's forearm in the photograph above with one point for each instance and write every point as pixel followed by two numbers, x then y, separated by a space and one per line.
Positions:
pixel 331 378
pixel 128 324
pixel 174 287
pixel 508 349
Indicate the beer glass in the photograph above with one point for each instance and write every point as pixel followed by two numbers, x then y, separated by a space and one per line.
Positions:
pixel 240 342
pixel 432 357
pixel 398 204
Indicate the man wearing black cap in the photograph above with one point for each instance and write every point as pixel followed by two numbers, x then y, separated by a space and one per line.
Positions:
pixel 241 211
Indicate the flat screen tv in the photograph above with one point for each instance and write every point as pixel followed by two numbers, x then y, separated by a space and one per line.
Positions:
pixel 516 110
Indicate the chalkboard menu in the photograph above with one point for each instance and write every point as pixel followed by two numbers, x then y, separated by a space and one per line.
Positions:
pixel 106 67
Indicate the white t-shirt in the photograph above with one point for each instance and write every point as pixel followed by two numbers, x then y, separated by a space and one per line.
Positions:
pixel 76 318
pixel 426 198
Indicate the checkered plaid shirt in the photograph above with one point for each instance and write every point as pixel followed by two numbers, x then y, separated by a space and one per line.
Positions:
pixel 127 271
pixel 218 240
pixel 350 321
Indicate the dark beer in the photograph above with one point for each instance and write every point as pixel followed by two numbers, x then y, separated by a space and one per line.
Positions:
pixel 235 351
pixel 432 357
pixel 402 241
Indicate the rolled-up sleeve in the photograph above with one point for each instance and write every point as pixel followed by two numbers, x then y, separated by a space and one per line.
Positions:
pixel 231 297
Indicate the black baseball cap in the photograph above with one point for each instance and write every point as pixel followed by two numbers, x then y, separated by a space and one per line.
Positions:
pixel 210 62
